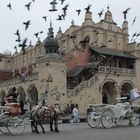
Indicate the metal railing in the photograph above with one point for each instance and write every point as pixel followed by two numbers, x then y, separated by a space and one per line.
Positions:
pixel 115 70
pixel 82 85
pixel 92 80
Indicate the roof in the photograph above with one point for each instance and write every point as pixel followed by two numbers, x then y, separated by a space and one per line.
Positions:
pixel 75 71
pixel 51 42
pixel 112 52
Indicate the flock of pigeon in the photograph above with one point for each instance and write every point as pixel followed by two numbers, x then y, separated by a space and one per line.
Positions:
pixel 53 8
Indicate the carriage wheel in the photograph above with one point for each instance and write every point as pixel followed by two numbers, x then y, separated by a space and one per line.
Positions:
pixel 3 124
pixel 16 125
pixel 92 120
pixel 134 119
pixel 107 118
pixel 3 128
pixel 119 121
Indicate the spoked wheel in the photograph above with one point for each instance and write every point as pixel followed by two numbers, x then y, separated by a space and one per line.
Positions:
pixel 3 124
pixel 3 128
pixel 93 120
pixel 16 125
pixel 134 119
pixel 107 118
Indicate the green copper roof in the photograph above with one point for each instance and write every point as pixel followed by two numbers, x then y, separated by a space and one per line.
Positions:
pixel 75 71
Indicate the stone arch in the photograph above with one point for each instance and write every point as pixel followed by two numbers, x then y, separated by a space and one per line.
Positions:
pixel 109 91
pixel 125 87
pixel 32 92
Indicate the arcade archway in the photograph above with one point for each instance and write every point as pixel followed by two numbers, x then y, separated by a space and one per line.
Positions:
pixel 125 88
pixel 109 92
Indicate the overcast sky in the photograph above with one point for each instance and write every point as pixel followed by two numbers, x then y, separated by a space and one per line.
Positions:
pixel 11 20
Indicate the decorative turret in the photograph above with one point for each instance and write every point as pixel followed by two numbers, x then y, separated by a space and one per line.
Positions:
pixel 88 19
pixel 108 16
pixel 51 44
pixel 125 27
pixel 50 31
pixel 59 33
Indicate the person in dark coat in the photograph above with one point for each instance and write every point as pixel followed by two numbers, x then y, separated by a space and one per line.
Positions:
pixel 21 98
pixel 12 95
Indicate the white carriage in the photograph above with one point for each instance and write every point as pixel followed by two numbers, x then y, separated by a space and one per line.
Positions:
pixel 108 115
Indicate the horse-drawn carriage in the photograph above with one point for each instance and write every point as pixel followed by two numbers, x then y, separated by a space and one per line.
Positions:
pixel 107 115
pixel 11 121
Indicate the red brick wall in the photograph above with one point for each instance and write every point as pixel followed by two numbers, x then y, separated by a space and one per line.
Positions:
pixel 81 58
pixel 4 75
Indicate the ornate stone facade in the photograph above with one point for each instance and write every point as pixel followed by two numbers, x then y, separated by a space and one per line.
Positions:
pixel 95 63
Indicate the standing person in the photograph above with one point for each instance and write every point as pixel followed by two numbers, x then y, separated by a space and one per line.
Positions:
pixel 75 114
pixel 21 96
pixel 12 95
pixel 2 98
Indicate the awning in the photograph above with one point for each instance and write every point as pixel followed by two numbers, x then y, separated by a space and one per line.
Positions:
pixel 75 71
pixel 112 52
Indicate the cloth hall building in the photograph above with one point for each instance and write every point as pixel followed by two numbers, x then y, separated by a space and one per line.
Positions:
pixel 87 64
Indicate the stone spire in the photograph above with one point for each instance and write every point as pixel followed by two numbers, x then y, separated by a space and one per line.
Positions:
pixel 50 31
pixel 125 27
pixel 59 33
pixel 125 23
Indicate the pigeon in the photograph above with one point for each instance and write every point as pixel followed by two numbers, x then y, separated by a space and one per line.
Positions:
pixel 10 6
pixel 78 11
pixel 88 8
pixel 53 8
pixel 59 17
pixel 62 1
pixel 65 8
pixel 18 39
pixel 28 6
pixel 23 46
pixel 26 24
pixel 41 32
pixel 126 11
pixel 17 33
pixel 100 13
pixel 134 20
pixel 45 18
pixel 36 34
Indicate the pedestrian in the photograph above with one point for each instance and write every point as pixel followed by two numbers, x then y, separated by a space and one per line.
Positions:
pixel 89 109
pixel 75 114
pixel 12 95
pixel 67 110
pixel 21 97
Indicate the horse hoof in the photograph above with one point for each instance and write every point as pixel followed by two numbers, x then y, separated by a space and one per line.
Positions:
pixel 43 131
pixel 33 131
pixel 51 130
pixel 37 132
